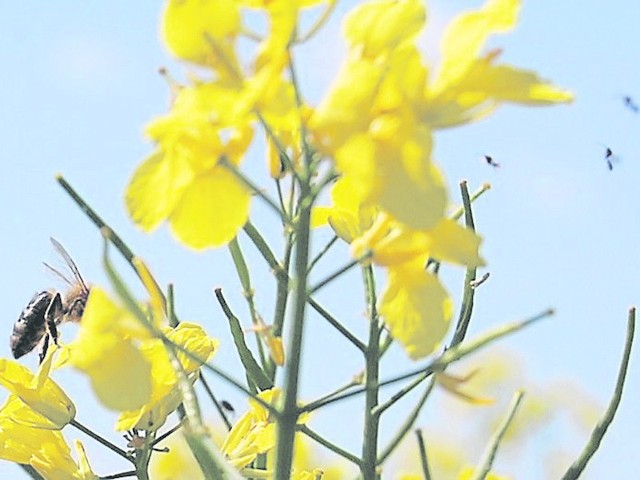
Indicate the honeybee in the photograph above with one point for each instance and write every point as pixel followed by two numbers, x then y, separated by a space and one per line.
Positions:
pixel 38 322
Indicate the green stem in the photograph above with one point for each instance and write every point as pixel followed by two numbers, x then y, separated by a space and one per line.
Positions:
pixel 331 446
pixel 470 275
pixel 601 428
pixel 483 469
pixel 371 420
pixel 168 433
pixel 215 402
pixel 99 439
pixel 322 19
pixel 287 424
pixel 106 231
pixel 336 324
pixel 422 449
pixel 96 219
pixel 323 252
pixel 254 188
pixel 450 356
pixel 247 291
pixel 171 307
pixel 353 383
pixel 253 370
pixel 131 473
pixel 380 409
pixel 337 273
pixel 460 211
pixel 407 425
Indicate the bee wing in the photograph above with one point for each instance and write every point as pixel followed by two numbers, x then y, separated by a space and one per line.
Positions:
pixel 58 274
pixel 70 263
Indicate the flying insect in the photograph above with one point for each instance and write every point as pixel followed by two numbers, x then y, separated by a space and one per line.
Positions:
pixel 38 322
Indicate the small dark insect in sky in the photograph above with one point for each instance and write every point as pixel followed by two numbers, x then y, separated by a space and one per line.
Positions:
pixel 610 158
pixel 630 104
pixel 491 161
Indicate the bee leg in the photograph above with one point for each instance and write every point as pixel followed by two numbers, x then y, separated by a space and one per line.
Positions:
pixel 43 349
pixel 52 316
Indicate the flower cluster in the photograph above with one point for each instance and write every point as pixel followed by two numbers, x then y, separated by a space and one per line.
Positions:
pixel 377 122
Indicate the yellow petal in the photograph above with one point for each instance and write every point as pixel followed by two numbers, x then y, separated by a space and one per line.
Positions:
pixel 346 110
pixel 453 243
pixel 486 86
pixel 211 210
pixel 193 338
pixel 189 27
pixel 381 25
pixel 40 393
pixel 119 373
pixel 416 309
pixel 466 35
pixel 154 189
pixel 414 192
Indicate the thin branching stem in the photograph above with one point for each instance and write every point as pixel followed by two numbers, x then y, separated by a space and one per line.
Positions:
pixel 470 275
pixel 247 182
pixel 330 445
pixel 318 24
pixel 484 467
pixel 215 402
pixel 323 252
pixel 422 450
pixel 168 433
pixel 450 356
pixel 247 290
pixel 130 473
pixel 99 439
pixel 407 425
pixel 600 429
pixel 337 273
pixel 336 324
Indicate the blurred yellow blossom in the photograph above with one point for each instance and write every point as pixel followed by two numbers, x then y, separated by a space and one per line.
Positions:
pixel 254 433
pixel 183 181
pixel 38 392
pixel 165 394
pixel 106 350
pixel 44 449
pixel 378 117
pixel 415 306
pixel 468 473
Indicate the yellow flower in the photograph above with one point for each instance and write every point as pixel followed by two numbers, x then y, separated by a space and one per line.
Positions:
pixel 177 464
pixel 44 449
pixel 377 119
pixel 106 349
pixel 183 181
pixel 165 394
pixel 254 433
pixel 415 306
pixel 38 392
pixel 193 29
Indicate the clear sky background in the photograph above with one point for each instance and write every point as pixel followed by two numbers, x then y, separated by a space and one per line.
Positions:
pixel 79 80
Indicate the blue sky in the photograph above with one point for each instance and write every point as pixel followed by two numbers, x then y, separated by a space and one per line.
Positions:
pixel 80 80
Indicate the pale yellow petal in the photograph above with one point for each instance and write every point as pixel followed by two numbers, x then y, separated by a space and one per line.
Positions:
pixel 155 187
pixel 190 26
pixel 381 25
pixel 454 243
pixel 211 211
pixel 466 36
pixel 416 309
